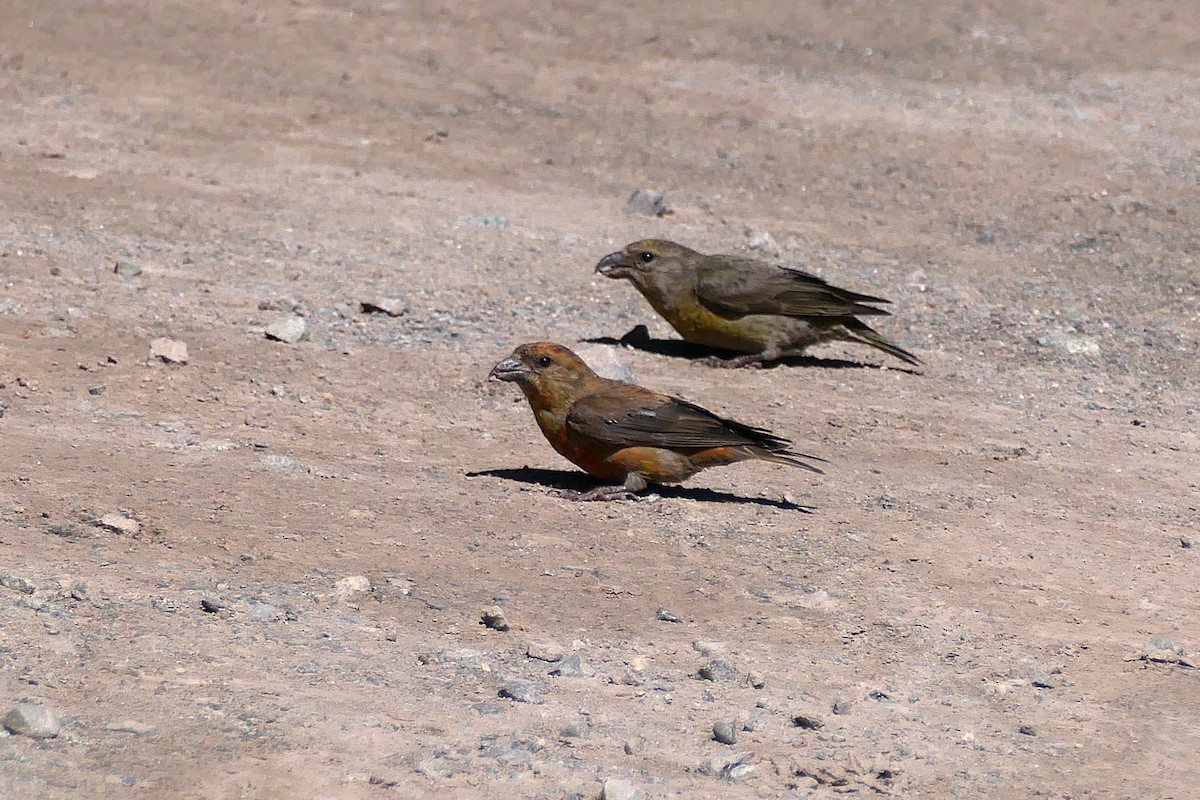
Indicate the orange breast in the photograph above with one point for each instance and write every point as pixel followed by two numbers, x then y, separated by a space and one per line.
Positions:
pixel 590 456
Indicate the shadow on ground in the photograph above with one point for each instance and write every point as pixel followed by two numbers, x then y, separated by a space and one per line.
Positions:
pixel 571 481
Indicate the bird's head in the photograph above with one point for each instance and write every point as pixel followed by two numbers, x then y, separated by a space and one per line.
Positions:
pixel 641 260
pixel 544 369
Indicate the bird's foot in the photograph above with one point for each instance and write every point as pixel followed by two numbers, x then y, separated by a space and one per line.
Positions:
pixel 737 362
pixel 599 493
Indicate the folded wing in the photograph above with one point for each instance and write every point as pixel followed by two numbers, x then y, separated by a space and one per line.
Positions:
pixel 614 415
pixel 740 286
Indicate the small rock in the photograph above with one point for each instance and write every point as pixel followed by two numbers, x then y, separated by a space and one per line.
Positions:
pixel 119 523
pixel 18 583
pixel 730 768
pixel 39 604
pixel 78 591
pixel 646 203
pixel 620 789
pixel 756 679
pixel 738 772
pixel 575 730
pixel 263 612
pixel 666 616
pixel 1071 344
pixel 807 722
pixel 434 768
pixel 709 649
pixel 763 242
pixel 522 692
pixel 32 720
pixel 606 363
pixel 724 732
pixel 168 605
pixel 494 618
pixel 213 605
pixel 97 390
pixel 716 670
pixel 624 676
pixel 391 306
pixel 131 726
pixel 1164 651
pixel 515 752
pixel 289 328
pixel 1185 542
pixel 351 585
pixel 544 651
pixel 842 706
pixel 573 666
pixel 169 351
pixel 1027 730
pixel 755 723
pixel 126 268
pixel 1159 643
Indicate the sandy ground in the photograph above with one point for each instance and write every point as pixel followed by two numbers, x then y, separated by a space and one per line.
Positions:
pixel 261 573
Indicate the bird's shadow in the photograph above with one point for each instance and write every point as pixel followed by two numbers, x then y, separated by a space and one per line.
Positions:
pixel 639 339
pixel 570 481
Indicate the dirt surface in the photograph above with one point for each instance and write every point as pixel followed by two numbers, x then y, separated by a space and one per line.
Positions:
pixel 261 573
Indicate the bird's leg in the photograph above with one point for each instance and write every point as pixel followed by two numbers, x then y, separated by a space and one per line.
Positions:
pixel 737 362
pixel 634 483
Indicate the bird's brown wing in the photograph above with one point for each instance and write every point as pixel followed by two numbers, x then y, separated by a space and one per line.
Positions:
pixel 733 286
pixel 631 416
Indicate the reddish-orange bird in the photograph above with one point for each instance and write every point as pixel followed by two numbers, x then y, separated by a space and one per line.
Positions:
pixel 627 434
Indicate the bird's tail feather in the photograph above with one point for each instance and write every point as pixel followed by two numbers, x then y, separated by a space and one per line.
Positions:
pixel 788 457
pixel 861 332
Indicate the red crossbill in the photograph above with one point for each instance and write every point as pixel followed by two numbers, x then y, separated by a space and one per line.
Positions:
pixel 620 432
pixel 745 305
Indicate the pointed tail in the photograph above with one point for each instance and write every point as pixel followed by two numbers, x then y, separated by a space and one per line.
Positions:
pixel 790 457
pixel 861 332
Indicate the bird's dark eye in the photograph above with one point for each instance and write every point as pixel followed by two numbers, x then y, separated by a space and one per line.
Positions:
pixel 646 257
pixel 545 361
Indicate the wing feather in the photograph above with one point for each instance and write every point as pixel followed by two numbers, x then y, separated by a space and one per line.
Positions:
pixel 613 415
pixel 735 286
